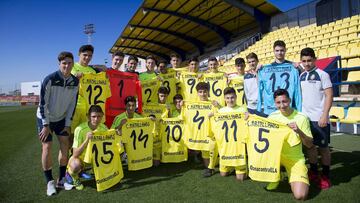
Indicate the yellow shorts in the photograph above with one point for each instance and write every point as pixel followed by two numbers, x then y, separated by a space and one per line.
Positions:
pixel 78 117
pixel 238 169
pixel 205 154
pixel 296 170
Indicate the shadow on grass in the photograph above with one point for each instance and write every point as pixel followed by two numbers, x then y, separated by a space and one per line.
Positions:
pixel 153 175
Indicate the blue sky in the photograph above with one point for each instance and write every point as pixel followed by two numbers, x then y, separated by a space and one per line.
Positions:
pixel 33 32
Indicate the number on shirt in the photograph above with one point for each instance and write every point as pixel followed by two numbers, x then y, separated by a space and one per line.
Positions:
pixel 225 126
pixel 273 78
pixel 167 85
pixel 243 100
pixel 167 130
pixel 140 138
pixel 262 139
pixel 217 92
pixel 148 98
pixel 191 82
pixel 105 152
pixel 199 119
pixel 90 90
pixel 121 86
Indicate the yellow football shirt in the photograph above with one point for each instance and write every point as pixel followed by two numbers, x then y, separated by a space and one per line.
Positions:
pixel 238 84
pixel 197 126
pixel 217 82
pixel 264 139
pixel 80 135
pixel 95 89
pixel 137 136
pixel 169 81
pixel 102 152
pixel 149 90
pixel 295 152
pixel 147 76
pixel 155 109
pixel 172 140
pixel 188 83
pixel 227 129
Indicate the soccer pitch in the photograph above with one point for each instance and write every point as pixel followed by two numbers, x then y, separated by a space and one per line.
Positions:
pixel 22 178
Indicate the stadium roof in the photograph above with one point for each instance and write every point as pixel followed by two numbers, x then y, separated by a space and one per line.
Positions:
pixel 161 27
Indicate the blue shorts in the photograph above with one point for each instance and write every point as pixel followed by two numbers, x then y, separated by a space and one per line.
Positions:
pixel 321 136
pixel 256 112
pixel 55 128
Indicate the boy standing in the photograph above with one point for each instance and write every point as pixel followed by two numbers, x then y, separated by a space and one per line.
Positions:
pixel 54 114
pixel 316 87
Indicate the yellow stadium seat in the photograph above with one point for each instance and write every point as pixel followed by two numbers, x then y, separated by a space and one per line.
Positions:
pixel 322 53
pixel 332 24
pixel 337 27
pixel 343 31
pixel 352 29
pixel 355 52
pixel 347 19
pixel 345 25
pixel 334 40
pixel 310 44
pixel 343 52
pixel 336 113
pixel 335 33
pixel 332 51
pixel 325 42
pixel 354 62
pixel 352 117
pixel 343 39
pixel 353 37
pixel 353 22
pixel 327 35
pixel 354 17
pixel 317 44
pixel 344 63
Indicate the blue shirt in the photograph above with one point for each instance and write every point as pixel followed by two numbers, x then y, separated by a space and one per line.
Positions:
pixel 275 76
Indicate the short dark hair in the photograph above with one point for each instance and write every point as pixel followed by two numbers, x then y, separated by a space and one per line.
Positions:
pixel 162 61
pixel 229 90
pixel 65 54
pixel 203 86
pixel 178 96
pixel 163 90
pixel 212 58
pixel 87 47
pixel 194 59
pixel 118 53
pixel 131 57
pixel 151 57
pixel 129 99
pixel 252 55
pixel 96 109
pixel 239 61
pixel 174 55
pixel 280 92
pixel 279 43
pixel 307 52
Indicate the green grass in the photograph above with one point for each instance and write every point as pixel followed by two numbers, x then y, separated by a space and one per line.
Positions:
pixel 22 178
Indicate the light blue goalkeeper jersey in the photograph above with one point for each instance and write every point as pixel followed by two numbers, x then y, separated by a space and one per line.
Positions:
pixel 275 76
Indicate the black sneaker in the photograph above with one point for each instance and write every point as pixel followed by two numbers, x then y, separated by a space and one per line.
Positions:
pixel 208 172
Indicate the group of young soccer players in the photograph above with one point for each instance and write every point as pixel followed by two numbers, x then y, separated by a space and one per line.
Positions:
pixel 250 122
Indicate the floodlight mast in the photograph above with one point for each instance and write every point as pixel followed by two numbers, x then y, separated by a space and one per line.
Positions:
pixel 89 29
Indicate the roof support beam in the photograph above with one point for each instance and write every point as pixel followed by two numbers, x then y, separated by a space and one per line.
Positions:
pixel 195 42
pixel 163 56
pixel 179 51
pixel 223 33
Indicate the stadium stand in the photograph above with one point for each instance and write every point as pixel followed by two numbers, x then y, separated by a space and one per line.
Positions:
pixel 336 114
pixel 352 117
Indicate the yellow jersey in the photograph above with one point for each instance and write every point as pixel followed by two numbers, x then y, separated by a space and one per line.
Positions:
pixel 102 152
pixel 197 125
pixel 217 82
pixel 188 83
pixel 149 90
pixel 169 81
pixel 227 129
pixel 302 121
pixel 172 140
pixel 80 135
pixel 265 139
pixel 137 136
pixel 95 89
pixel 238 84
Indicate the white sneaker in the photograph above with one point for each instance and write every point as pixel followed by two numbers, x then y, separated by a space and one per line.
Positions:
pixel 51 190
pixel 68 186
